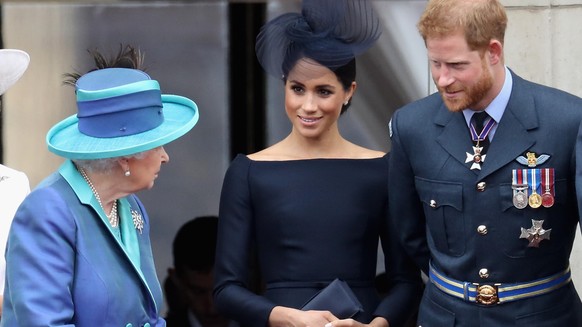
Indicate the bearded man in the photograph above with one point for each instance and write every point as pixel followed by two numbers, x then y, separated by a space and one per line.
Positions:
pixel 482 173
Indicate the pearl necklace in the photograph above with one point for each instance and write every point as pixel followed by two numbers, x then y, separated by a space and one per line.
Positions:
pixel 112 216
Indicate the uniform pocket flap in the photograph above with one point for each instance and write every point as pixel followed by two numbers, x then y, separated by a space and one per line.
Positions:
pixel 437 194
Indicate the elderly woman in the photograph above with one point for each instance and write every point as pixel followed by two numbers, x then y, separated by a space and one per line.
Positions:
pixel 79 252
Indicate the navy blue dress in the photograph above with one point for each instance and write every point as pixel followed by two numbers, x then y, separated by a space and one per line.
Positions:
pixel 309 221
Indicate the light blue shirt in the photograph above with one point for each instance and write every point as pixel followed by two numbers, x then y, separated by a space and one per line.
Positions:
pixel 497 107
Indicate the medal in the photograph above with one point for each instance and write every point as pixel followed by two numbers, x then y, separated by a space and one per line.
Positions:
pixel 548 187
pixel 535 234
pixel 520 199
pixel 535 200
pixel 519 186
pixel 547 200
pixel 477 158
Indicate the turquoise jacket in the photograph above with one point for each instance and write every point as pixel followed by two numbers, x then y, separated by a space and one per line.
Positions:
pixel 67 267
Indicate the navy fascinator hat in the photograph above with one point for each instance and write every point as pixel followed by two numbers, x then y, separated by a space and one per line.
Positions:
pixel 331 32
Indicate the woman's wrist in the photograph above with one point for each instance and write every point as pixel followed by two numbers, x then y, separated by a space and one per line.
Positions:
pixel 379 322
pixel 280 316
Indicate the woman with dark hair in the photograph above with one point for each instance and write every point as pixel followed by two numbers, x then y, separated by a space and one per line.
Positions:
pixel 314 205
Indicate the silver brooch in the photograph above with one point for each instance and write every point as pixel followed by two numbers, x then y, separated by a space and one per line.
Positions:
pixel 137 220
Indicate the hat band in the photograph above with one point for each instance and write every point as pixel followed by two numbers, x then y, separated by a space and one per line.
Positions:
pixel 123 115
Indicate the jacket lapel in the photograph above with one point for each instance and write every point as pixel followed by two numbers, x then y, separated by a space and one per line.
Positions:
pixel 512 137
pixel 140 248
pixel 455 137
pixel 85 195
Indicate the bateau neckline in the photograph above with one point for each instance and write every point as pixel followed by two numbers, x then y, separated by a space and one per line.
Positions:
pixel 312 159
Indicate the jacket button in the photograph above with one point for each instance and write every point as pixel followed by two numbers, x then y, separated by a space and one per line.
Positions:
pixel 482 229
pixel 484 273
pixel 481 186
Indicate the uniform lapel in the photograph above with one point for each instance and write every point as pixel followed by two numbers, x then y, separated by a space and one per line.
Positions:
pixel 512 137
pixel 455 137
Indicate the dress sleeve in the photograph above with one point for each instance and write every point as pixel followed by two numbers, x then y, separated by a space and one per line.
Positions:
pixel 40 261
pixel 232 295
pixel 404 283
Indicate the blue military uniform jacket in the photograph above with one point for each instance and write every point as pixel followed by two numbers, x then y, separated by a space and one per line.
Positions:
pixel 464 221
pixel 67 267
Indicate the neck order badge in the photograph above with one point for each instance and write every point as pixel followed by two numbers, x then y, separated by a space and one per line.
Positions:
pixel 479 134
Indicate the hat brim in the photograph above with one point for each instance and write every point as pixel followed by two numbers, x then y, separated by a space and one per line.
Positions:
pixel 65 139
pixel 13 64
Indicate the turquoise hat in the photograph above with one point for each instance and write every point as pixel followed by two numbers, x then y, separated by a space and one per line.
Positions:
pixel 120 112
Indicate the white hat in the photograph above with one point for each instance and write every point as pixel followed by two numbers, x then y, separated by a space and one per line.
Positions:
pixel 13 63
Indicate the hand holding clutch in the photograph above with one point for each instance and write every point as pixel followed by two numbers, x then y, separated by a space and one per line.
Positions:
pixel 337 298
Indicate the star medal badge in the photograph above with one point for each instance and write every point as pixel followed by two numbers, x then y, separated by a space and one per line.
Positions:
pixel 535 200
pixel 548 187
pixel 519 186
pixel 137 220
pixel 536 233
pixel 477 158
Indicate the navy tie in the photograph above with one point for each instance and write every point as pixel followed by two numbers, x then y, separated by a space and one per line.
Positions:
pixel 478 120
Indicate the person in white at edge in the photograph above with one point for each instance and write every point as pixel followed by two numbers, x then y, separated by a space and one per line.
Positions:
pixel 14 184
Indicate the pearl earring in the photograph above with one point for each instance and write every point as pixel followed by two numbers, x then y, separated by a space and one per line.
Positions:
pixel 346 103
pixel 127 173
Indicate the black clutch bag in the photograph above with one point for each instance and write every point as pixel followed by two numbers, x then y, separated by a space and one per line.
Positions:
pixel 337 298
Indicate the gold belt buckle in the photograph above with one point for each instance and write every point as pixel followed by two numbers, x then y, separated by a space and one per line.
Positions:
pixel 487 294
